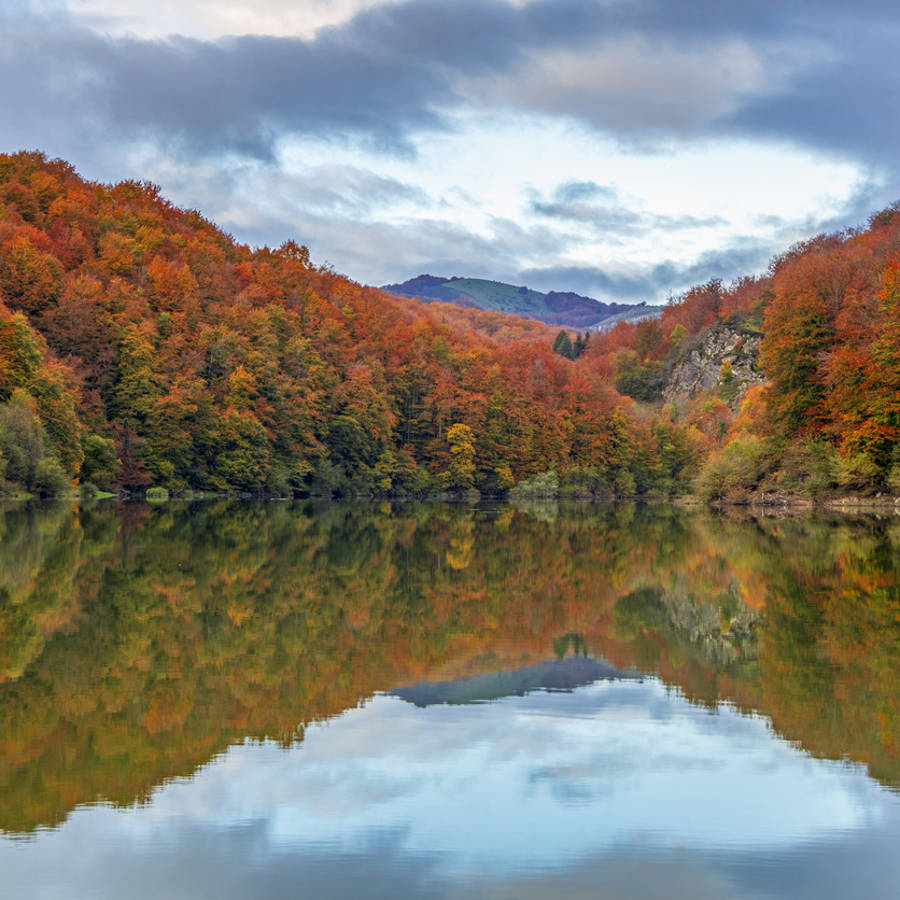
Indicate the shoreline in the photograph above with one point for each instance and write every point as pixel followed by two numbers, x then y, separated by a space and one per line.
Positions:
pixel 790 502
pixel 769 503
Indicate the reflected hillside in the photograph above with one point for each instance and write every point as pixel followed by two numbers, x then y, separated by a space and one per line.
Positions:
pixel 136 643
pixel 554 675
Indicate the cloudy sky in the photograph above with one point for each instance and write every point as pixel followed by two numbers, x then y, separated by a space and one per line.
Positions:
pixel 620 148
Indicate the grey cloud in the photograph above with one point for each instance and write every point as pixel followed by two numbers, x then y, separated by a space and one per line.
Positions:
pixel 399 70
pixel 570 202
pixel 815 74
pixel 341 189
pixel 335 210
pixel 630 286
pixel 844 105
pixel 201 98
pixel 771 221
pixel 641 89
pixel 601 218
pixel 329 215
pixel 865 201
pixel 686 221
pixel 379 252
pixel 740 257
pixel 575 191
pixel 654 283
pixel 338 212
pixel 870 196
pixel 381 78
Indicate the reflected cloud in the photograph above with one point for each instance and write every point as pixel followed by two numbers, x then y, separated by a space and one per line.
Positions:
pixel 653 766
pixel 493 794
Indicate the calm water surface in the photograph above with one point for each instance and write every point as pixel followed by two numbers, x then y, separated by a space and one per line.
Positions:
pixel 226 701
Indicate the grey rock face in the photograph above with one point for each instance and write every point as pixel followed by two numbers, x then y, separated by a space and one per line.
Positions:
pixel 704 363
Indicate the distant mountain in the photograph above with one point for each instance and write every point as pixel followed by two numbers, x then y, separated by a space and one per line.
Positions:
pixel 564 308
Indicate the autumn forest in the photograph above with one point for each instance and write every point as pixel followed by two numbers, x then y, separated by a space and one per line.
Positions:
pixel 141 347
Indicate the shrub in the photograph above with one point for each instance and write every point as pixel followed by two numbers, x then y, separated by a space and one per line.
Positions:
pixel 101 465
pixel 857 471
pixel 893 480
pixel 543 486
pixel 733 471
pixel 811 466
pixel 156 494
pixel 583 482
pixel 50 479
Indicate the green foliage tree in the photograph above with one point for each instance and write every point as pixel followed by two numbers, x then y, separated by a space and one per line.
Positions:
pixel 22 438
pixel 642 381
pixel 101 466
pixel 562 345
pixel 677 335
pixel 581 344
pixel 49 478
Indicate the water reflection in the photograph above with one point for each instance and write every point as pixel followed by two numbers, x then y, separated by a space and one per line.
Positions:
pixel 486 800
pixel 138 644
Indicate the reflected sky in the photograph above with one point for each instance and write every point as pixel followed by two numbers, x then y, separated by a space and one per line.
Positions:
pixel 620 788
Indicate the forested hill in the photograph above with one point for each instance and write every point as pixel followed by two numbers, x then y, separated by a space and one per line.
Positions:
pixel 554 308
pixel 141 346
pixel 821 331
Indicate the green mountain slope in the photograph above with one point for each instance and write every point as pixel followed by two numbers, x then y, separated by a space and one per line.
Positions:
pixel 501 297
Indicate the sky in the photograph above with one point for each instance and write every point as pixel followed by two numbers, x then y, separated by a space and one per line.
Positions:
pixel 624 149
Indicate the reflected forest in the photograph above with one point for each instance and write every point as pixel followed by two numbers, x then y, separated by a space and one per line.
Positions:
pixel 138 642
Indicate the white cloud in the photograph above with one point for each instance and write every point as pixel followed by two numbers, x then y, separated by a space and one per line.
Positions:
pixel 212 19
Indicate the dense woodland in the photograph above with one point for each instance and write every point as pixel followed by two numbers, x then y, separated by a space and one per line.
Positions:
pixel 141 346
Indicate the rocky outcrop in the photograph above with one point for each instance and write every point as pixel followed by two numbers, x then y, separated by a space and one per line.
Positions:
pixel 723 357
pixel 721 629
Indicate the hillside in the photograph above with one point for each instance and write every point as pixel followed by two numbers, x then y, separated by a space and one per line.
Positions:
pixel 140 345
pixel 563 308
pixel 792 379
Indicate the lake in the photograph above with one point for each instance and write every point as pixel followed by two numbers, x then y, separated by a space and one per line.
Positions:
pixel 232 700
